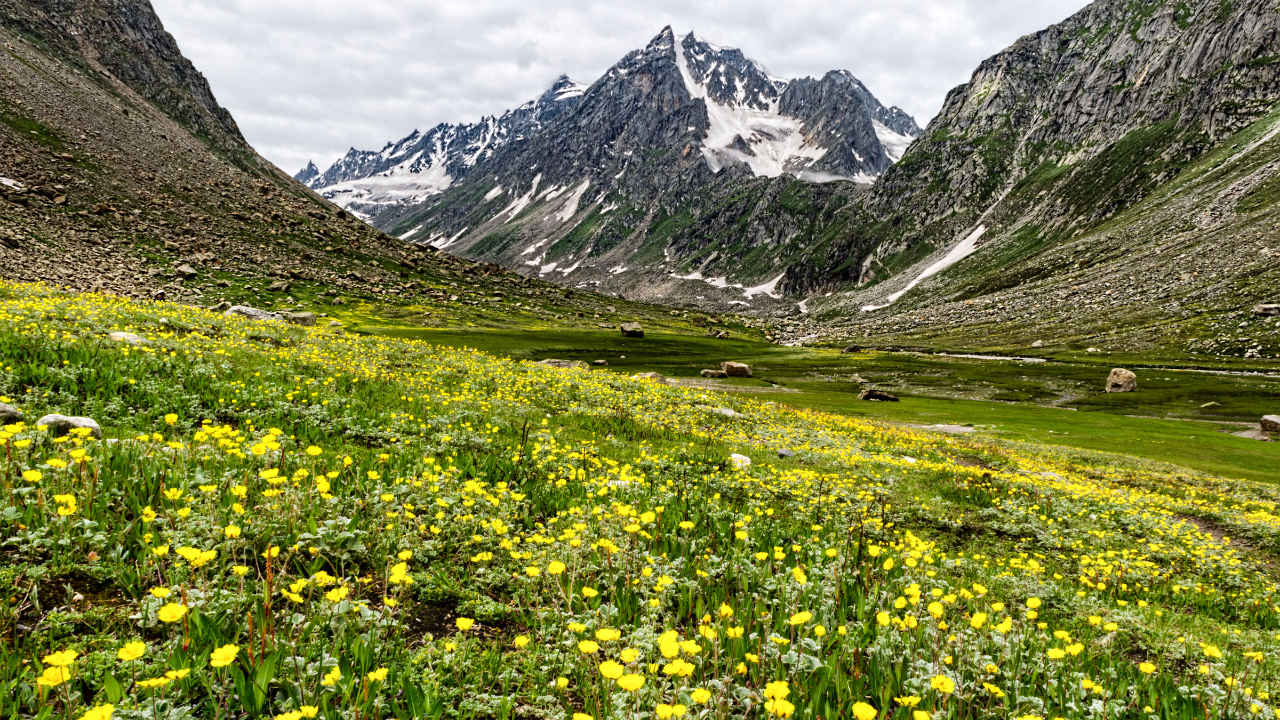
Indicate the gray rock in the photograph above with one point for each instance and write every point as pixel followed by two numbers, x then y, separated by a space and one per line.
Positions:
pixel 651 376
pixel 307 319
pixel 62 425
pixel 600 363
pixel 632 330
pixel 714 374
pixel 186 272
pixel 1037 344
pixel 852 349
pixel 334 324
pixel 10 415
pixel 726 412
pixel 1271 423
pixel 736 369
pixel 1266 310
pixel 125 337
pixel 220 307
pixel 876 396
pixel 563 364
pixel 784 453
pixel 252 313
pixel 279 286
pixel 1121 381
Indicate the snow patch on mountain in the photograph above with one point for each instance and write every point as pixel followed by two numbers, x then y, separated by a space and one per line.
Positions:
pixel 895 144
pixel 571 206
pixel 518 205
pixel 747 129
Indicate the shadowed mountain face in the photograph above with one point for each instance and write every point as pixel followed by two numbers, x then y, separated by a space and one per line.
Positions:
pixel 658 175
pixel 124 40
pixel 119 172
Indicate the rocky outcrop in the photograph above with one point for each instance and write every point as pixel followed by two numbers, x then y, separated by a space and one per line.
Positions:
pixel 10 415
pixel 64 425
pixel 1121 381
pixel 736 369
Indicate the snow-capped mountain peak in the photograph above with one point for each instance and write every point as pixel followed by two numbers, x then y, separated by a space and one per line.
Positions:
pixel 422 165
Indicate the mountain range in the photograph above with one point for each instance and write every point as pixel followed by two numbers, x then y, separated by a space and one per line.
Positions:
pixel 590 185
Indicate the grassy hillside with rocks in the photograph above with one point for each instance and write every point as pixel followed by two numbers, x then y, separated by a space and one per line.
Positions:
pixel 281 521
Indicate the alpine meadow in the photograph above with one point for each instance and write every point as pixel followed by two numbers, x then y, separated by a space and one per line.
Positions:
pixel 690 392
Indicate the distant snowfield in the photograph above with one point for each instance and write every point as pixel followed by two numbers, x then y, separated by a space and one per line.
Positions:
pixel 966 248
pixel 392 187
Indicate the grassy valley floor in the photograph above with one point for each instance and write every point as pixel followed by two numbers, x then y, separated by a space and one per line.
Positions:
pixel 1060 402
pixel 299 522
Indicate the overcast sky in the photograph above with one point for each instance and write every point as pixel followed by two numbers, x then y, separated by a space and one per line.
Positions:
pixel 308 79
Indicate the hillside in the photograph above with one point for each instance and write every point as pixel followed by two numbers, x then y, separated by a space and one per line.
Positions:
pixel 288 522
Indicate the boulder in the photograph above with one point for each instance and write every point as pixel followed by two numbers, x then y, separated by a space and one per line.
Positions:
pixel 632 330
pixel 307 319
pixel 1270 423
pixel 736 369
pixel 252 313
pixel 62 425
pixel 124 337
pixel 785 453
pixel 1037 344
pixel 1266 310
pixel 10 415
pixel 186 272
pixel 280 286
pixel 1121 381
pixel 852 349
pixel 650 376
pixel 334 324
pixel 600 363
pixel 876 396
pixel 726 412
pixel 740 461
pixel 714 374
pixel 563 364
pixel 220 307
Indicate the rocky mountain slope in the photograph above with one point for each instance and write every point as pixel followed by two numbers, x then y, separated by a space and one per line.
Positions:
pixel 119 172
pixel 1095 167
pixel 423 165
pixel 684 172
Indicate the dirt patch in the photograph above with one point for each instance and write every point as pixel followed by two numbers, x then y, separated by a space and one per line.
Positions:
pixel 86 590
pixel 434 620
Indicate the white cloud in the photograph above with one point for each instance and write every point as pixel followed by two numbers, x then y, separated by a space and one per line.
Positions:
pixel 307 79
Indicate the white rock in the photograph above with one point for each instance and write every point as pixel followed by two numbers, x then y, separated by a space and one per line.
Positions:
pixel 740 462
pixel 125 337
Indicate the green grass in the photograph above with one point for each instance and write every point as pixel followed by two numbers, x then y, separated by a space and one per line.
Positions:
pixel 1162 421
pixel 442 533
